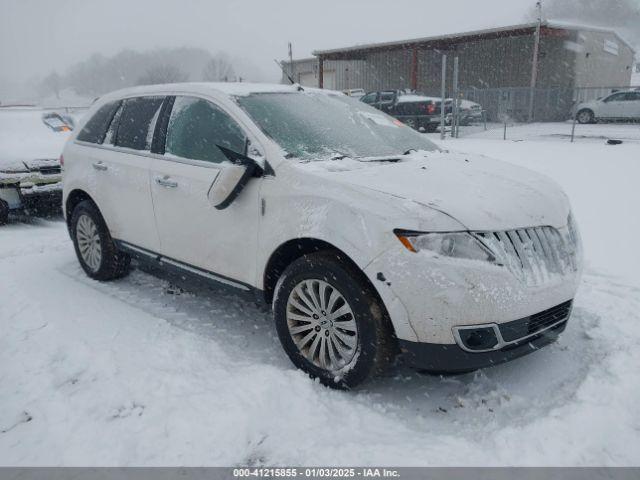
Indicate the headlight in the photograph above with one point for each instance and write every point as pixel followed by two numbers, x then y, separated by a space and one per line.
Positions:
pixel 456 245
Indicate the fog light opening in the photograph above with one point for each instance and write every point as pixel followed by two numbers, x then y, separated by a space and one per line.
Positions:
pixel 477 339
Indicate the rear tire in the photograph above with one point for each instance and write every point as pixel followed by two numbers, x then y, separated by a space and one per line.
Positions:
pixel 95 249
pixel 585 116
pixel 339 332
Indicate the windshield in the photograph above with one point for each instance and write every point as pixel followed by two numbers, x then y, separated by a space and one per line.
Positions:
pixel 313 125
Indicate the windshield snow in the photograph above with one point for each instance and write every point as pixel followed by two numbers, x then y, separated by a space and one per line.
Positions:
pixel 314 126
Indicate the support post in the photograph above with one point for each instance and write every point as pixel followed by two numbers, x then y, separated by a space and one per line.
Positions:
pixel 443 92
pixel 534 63
pixel 414 69
pixel 320 72
pixel 454 104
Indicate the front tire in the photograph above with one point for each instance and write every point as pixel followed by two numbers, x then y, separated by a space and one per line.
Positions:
pixel 585 116
pixel 330 322
pixel 96 252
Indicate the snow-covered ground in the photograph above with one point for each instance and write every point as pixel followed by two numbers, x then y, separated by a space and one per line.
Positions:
pixel 131 373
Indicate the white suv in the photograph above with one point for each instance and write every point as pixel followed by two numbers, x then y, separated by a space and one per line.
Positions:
pixel 367 239
pixel 617 106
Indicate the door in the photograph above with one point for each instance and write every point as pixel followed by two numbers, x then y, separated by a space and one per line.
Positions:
pixel 190 228
pixel 329 80
pixel 122 172
pixel 613 106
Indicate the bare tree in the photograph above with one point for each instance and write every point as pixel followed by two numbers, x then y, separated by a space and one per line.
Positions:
pixel 162 74
pixel 218 69
pixel 53 83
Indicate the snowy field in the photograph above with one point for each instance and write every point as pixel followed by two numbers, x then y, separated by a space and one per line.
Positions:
pixel 133 373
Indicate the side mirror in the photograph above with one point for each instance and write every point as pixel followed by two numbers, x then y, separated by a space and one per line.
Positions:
pixel 232 178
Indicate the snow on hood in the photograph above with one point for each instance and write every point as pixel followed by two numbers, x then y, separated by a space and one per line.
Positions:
pixel 481 193
pixel 25 138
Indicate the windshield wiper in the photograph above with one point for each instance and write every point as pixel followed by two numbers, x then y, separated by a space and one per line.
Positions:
pixel 389 158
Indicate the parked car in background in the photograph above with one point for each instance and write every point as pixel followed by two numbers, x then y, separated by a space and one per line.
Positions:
pixel 617 106
pixel 355 92
pixel 414 109
pixel 366 239
pixel 470 112
pixel 31 141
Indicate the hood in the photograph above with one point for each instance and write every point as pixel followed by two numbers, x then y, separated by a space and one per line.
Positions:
pixel 25 138
pixel 480 193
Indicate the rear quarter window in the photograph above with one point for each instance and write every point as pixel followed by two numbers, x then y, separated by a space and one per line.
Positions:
pixel 96 127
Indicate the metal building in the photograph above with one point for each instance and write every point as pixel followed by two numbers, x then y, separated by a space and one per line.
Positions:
pixel 492 62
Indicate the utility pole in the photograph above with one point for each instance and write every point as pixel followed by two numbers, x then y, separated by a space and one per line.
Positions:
pixel 454 104
pixel 291 62
pixel 534 63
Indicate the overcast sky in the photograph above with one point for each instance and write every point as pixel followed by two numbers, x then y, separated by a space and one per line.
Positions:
pixel 38 36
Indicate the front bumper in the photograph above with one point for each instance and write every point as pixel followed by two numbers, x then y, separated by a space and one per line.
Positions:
pixel 31 196
pixel 447 358
pixel 429 296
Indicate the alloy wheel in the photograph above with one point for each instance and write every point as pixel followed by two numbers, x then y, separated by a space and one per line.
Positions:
pixel 322 324
pixel 89 244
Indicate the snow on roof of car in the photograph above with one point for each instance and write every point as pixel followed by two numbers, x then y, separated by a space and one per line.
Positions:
pixel 229 88
pixel 416 98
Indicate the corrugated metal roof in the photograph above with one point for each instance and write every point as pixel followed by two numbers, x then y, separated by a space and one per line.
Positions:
pixel 455 36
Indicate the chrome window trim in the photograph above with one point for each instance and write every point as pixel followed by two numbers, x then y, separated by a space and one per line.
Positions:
pixel 198 163
pixel 496 329
pixel 145 153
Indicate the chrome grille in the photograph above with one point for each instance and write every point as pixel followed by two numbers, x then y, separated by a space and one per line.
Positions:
pixel 535 254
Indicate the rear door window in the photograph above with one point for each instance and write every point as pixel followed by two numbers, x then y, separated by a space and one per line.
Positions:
pixel 137 122
pixel 110 136
pixel 196 128
pixel 95 128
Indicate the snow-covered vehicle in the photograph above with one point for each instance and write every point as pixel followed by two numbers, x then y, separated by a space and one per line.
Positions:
pixel 617 106
pixel 355 92
pixel 366 239
pixel 30 147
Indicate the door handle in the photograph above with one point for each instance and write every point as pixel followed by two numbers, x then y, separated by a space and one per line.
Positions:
pixel 166 182
pixel 100 166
